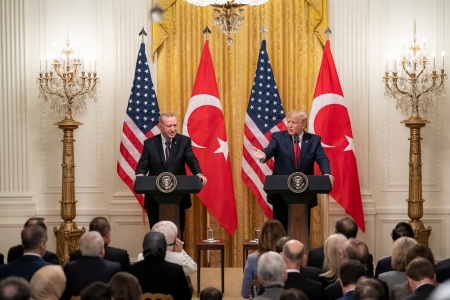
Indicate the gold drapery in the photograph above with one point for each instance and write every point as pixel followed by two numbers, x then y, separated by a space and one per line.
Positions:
pixel 294 44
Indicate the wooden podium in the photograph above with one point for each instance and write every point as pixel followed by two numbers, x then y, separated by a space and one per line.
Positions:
pixel 169 202
pixel 298 203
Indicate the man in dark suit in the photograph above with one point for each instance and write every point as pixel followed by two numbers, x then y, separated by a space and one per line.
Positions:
pixel 34 241
pixel 15 252
pixel 294 150
pixel 442 269
pixel 168 152
pixel 421 278
pixel 293 255
pixel 349 273
pixel 102 226
pixel 272 275
pixel 91 267
pixel 155 274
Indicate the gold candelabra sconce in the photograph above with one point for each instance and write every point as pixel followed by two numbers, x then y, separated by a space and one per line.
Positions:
pixel 67 84
pixel 415 82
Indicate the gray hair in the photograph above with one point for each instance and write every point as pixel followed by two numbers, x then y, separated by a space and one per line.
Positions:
pixel 91 244
pixel 271 268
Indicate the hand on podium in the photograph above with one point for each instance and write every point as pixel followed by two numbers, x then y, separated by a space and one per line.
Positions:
pixel 203 179
pixel 331 178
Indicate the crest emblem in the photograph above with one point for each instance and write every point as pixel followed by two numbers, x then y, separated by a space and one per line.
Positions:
pixel 166 182
pixel 298 182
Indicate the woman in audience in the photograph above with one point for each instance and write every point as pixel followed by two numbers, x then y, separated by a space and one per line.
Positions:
pixel 48 283
pixel 332 258
pixel 125 286
pixel 399 250
pixel 271 232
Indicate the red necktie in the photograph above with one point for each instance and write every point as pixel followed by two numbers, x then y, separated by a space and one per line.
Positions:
pixel 297 155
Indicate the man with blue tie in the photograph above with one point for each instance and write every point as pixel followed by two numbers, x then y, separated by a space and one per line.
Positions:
pixel 294 150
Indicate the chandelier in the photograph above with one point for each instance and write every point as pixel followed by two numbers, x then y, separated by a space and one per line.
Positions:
pixel 66 82
pixel 413 78
pixel 228 14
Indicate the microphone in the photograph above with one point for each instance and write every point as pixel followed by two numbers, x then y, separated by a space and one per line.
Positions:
pixel 296 138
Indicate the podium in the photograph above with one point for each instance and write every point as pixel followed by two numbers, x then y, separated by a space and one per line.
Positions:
pixel 298 202
pixel 169 202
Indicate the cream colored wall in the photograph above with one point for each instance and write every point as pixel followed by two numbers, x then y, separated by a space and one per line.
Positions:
pixel 364 33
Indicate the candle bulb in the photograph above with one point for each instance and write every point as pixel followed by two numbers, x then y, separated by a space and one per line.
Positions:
pixel 443 54
pixel 40 63
pixel 395 65
pixel 434 60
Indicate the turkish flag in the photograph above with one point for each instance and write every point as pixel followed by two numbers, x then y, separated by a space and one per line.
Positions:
pixel 329 118
pixel 204 124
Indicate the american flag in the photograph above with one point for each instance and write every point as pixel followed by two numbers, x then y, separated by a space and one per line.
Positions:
pixel 140 122
pixel 265 114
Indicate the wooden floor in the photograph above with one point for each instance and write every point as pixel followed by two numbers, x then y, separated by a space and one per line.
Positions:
pixel 211 277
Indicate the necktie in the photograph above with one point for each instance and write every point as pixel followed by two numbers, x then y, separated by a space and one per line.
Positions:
pixel 297 155
pixel 168 143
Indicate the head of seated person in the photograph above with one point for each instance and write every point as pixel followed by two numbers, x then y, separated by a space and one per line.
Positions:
pixel 170 231
pixel 154 245
pixel 399 251
pixel 97 291
pixel 49 283
pixel 13 287
pixel 210 293
pixel 125 286
pixel 92 245
pixel 402 229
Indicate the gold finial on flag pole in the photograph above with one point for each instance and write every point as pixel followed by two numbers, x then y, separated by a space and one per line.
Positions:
pixel 207 32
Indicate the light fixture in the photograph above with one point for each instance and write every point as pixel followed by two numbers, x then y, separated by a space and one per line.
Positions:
pixel 157 13
pixel 228 14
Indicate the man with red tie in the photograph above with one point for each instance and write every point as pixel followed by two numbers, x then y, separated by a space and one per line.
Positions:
pixel 294 150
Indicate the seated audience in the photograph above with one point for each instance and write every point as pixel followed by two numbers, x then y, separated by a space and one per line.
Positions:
pixel 346 226
pixel 332 260
pixel 102 226
pixel 421 278
pixel 272 274
pixel 442 269
pixel 14 288
pixel 399 251
pixel 401 229
pixel 368 288
pixel 441 292
pixel 210 293
pixel 2 259
pixel 175 252
pixel 271 232
pixel 350 272
pixel 125 286
pixel 91 267
pixel 293 255
pixel 15 252
pixel 155 274
pixel 293 294
pixel 97 291
pixel 48 283
pixel 34 243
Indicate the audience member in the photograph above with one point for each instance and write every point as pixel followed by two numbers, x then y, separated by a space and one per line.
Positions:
pixel 293 294
pixel 15 252
pixel 14 288
pixel 350 272
pixel 272 274
pixel 442 269
pixel 441 292
pixel 2 259
pixel 368 288
pixel 293 255
pixel 97 291
pixel 34 241
pixel 91 267
pixel 332 260
pixel 125 286
pixel 401 229
pixel 399 250
pixel 210 293
pixel 155 274
pixel 102 226
pixel 48 283
pixel 421 278
pixel 271 232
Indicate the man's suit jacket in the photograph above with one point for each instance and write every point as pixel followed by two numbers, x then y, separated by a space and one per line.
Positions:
pixel 347 296
pixel 272 293
pixel 311 288
pixel 23 267
pixel 281 148
pixel 156 275
pixel 16 252
pixel 111 253
pixel 85 271
pixel 311 273
pixel 383 265
pixel 422 292
pixel 442 270
pixel 2 259
pixel 153 162
pixel 334 290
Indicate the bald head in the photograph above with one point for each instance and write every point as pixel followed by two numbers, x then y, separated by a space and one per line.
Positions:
pixel 293 254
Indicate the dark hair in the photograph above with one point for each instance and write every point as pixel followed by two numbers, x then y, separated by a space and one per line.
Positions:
pixel 346 226
pixel 96 291
pixel 368 288
pixel 280 243
pixel 101 225
pixel 36 221
pixel 210 293
pixel 32 236
pixel 402 229
pixel 293 294
pixel 14 288
pixel 125 286
pixel 350 271
pixel 271 232
pixel 420 268
pixel 419 250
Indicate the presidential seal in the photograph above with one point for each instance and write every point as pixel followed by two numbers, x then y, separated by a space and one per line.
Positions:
pixel 297 182
pixel 166 182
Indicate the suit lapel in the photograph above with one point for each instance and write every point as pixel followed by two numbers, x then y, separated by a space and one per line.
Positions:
pixel 173 150
pixel 288 144
pixel 304 147
pixel 160 149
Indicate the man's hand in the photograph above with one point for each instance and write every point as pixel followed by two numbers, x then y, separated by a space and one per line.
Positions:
pixel 134 179
pixel 178 245
pixel 331 178
pixel 258 154
pixel 203 179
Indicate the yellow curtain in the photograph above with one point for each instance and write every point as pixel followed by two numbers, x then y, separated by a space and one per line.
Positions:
pixel 294 44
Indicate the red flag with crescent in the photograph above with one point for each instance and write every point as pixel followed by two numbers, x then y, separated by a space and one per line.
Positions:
pixel 205 125
pixel 329 118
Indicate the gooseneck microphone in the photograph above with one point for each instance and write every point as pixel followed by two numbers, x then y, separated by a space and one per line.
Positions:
pixel 296 138
pixel 296 151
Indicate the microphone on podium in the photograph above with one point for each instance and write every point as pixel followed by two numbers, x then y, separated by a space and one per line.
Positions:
pixel 296 138
pixel 296 151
